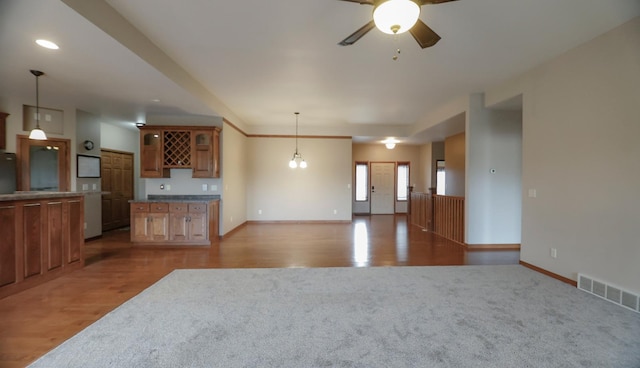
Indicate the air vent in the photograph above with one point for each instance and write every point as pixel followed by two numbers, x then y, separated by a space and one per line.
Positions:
pixel 608 292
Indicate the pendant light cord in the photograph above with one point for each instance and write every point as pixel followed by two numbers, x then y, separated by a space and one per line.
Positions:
pixel 297 113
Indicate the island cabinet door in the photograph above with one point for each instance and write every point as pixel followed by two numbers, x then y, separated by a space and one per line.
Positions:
pixel 7 244
pixel 55 235
pixel 32 239
pixel 75 228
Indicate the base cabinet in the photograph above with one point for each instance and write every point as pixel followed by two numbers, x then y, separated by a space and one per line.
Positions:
pixel 172 223
pixel 39 240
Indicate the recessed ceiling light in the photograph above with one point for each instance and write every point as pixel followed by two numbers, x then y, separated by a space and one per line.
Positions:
pixel 47 44
pixel 155 100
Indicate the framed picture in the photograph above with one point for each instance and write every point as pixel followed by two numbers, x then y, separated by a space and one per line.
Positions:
pixel 88 166
pixel 51 120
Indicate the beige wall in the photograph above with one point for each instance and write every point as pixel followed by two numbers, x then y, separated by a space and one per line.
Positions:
pixel 581 156
pixel 235 160
pixel 454 161
pixel 275 192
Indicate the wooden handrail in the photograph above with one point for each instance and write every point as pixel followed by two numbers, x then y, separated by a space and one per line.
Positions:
pixel 444 215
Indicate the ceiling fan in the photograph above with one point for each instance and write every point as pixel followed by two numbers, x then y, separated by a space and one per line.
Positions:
pixel 385 17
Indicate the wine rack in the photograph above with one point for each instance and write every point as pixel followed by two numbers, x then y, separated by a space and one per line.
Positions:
pixel 177 149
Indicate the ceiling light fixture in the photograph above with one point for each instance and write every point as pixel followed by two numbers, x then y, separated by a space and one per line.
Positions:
pixel 297 159
pixel 396 16
pixel 37 133
pixel 47 44
pixel 390 143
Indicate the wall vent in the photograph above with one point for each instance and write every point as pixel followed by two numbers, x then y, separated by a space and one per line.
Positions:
pixel 609 292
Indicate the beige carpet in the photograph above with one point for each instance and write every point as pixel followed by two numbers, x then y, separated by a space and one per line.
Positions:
pixel 471 316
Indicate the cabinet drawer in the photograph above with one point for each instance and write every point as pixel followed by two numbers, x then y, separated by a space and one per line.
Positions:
pixel 197 207
pixel 178 207
pixel 158 207
pixel 139 207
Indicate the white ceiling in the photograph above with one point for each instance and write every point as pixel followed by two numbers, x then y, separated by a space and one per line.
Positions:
pixel 256 62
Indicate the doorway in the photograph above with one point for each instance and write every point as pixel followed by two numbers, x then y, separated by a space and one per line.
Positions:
pixel 43 165
pixel 382 188
pixel 117 182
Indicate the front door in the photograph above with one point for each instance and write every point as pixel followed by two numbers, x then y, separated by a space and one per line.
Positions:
pixel 382 188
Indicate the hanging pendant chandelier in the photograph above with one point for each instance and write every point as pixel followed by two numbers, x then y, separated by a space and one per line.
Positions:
pixel 297 160
pixel 37 133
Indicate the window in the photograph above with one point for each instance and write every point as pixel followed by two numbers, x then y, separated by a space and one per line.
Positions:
pixel 440 177
pixel 362 181
pixel 403 181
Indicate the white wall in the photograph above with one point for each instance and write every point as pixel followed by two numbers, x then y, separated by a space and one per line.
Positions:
pixel 235 160
pixel 88 128
pixel 311 194
pixel 493 201
pixel 581 155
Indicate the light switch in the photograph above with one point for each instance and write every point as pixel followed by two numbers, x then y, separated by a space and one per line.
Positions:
pixel 213 187
pixel 204 187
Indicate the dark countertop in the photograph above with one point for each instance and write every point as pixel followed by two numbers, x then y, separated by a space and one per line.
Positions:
pixel 19 196
pixel 178 198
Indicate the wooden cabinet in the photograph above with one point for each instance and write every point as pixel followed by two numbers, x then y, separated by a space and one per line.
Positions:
pixel 149 222
pixel 3 130
pixel 188 222
pixel 151 151
pixel 8 216
pixel 174 223
pixel 173 147
pixel 40 239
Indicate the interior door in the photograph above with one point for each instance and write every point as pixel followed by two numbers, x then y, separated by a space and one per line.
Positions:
pixel 382 188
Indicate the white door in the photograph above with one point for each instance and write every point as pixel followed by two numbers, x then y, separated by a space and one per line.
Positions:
pixel 382 188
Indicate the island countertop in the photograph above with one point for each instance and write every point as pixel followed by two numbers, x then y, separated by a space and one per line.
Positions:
pixel 20 196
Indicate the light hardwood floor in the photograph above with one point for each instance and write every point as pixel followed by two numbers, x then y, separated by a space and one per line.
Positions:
pixel 37 320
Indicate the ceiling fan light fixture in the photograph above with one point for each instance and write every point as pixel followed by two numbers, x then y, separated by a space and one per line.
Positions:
pixel 396 16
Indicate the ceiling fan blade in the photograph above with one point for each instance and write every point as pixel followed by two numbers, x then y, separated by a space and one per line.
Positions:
pixel 355 36
pixel 424 2
pixel 424 35
pixel 363 2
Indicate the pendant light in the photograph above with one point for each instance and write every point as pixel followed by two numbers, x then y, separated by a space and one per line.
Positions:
pixel 37 133
pixel 297 159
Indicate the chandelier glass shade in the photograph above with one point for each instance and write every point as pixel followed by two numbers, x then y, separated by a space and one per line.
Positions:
pixel 297 160
pixel 37 133
pixel 396 16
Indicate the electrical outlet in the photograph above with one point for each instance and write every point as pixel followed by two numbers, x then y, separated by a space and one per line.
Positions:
pixel 335 212
pixel 85 226
pixel 85 186
pixel 95 186
pixel 259 212
pixel 204 187
pixel 554 253
pixel 533 193
pixel 213 187
pixel 168 187
pixel 230 218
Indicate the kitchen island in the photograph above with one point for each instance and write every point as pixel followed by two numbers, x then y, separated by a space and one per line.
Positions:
pixel 41 238
pixel 175 220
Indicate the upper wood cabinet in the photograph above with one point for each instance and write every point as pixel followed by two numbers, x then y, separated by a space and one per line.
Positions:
pixel 151 154
pixel 177 147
